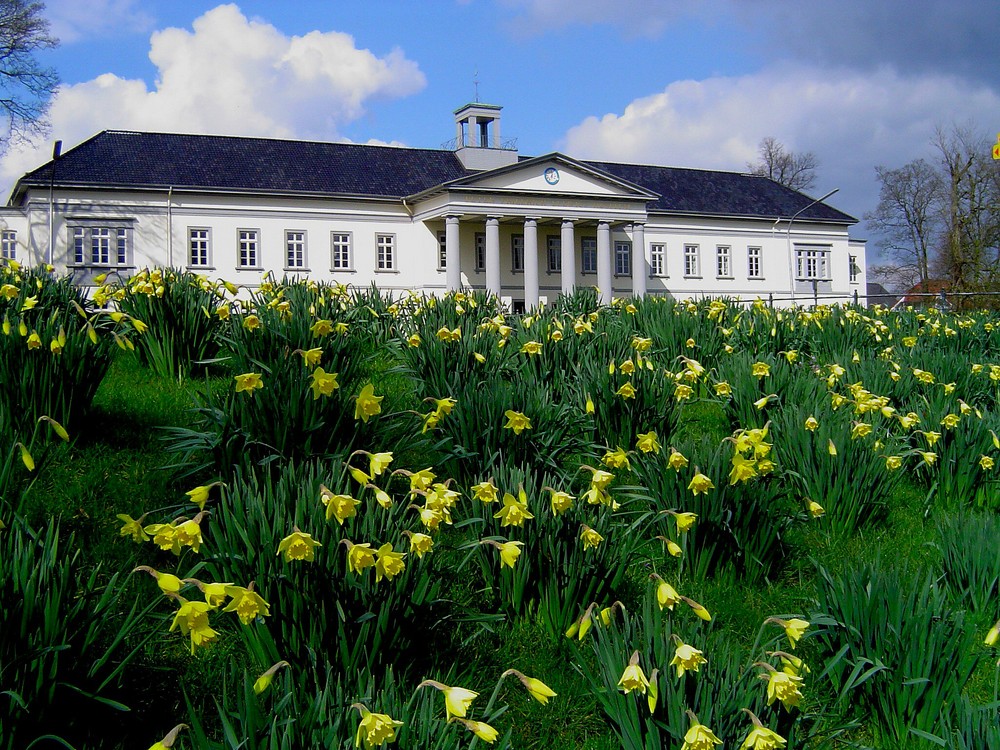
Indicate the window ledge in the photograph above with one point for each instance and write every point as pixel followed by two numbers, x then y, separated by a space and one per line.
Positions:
pixel 199 268
pixel 343 270
pixel 756 278
pixel 386 270
pixel 296 269
pixel 693 277
pixel 725 278
pixel 258 269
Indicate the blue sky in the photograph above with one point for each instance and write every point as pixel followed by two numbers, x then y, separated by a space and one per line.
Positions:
pixel 858 82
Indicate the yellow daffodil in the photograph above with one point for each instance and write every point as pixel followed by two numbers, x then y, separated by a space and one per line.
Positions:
pixel 700 484
pixel 248 382
pixel 633 677
pixel 359 556
pixel 367 404
pixel 647 442
pixel 168 741
pixel 263 682
pixel 388 563
pixel 698 609
pixel 246 603
pixel 760 737
pixel 298 546
pixel 626 391
pixel 993 635
pixel 616 459
pixel 676 460
pixel 536 688
pixel 686 658
pixel 516 421
pixel 685 520
pixel 323 383
pixel 985 463
pixel 133 528
pixel 559 501
pixel 340 507
pixel 682 392
pixel 251 322
pixel 783 687
pixel 481 729
pixel 168 582
pixel 700 737
pixel 515 510
pixel 666 595
pixel 531 348
pixel 374 730
pixel 760 370
pixel 795 628
pixel 815 509
pixel 485 492
pixel 723 389
pixel 590 537
pixel 456 699
pixel 192 620
pixel 893 462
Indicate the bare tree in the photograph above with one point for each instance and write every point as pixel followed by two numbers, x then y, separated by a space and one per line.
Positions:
pixel 797 171
pixel 970 210
pixel 26 86
pixel 907 217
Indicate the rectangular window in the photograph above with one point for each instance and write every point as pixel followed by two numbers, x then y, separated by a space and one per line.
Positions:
pixel 692 261
pixel 248 241
pixel 657 259
pixel 723 265
pixel 480 251
pixel 855 269
pixel 295 249
pixel 553 247
pixel 753 263
pixel 812 264
pixel 121 246
pixel 100 246
pixel 623 259
pixel 340 251
pixel 385 252
pixel 442 251
pixel 517 253
pixel 199 247
pixel 588 252
pixel 8 244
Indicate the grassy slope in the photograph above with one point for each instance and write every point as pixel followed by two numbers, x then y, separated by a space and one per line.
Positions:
pixel 114 466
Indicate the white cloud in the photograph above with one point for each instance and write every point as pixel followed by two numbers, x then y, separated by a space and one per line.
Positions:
pixel 851 121
pixel 230 75
pixel 72 20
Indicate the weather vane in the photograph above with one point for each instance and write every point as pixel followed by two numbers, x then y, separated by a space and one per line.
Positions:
pixel 475 81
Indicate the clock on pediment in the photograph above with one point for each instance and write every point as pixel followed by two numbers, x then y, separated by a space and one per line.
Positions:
pixel 552 175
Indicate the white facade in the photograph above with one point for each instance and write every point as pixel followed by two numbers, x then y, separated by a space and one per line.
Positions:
pixel 526 231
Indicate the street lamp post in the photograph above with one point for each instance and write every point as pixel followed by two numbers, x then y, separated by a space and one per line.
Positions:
pixel 788 239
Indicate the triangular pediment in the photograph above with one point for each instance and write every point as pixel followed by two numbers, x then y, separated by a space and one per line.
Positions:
pixel 553 174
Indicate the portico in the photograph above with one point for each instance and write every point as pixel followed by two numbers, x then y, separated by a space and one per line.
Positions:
pixel 546 224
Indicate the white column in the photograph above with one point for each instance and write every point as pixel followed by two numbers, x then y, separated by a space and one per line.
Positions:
pixel 493 255
pixel 453 270
pixel 530 264
pixel 604 262
pixel 473 131
pixel 640 265
pixel 568 250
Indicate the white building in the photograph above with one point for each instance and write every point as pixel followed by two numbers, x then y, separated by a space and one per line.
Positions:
pixel 475 215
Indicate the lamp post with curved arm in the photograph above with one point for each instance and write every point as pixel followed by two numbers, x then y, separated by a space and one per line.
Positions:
pixel 788 238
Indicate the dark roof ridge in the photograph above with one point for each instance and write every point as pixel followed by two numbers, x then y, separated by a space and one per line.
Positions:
pixel 278 139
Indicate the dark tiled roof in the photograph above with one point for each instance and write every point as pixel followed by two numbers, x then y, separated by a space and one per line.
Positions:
pixel 700 191
pixel 126 159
